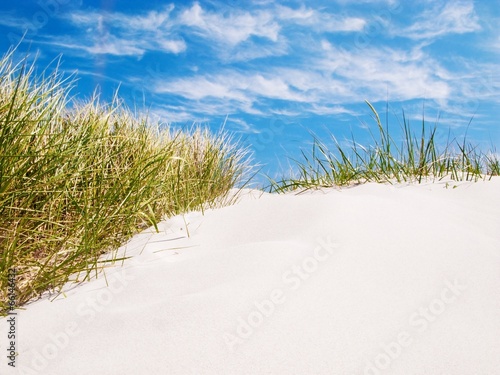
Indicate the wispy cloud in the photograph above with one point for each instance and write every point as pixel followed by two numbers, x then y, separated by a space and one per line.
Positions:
pixel 110 45
pixel 252 50
pixel 318 20
pixel 322 110
pixel 389 2
pixel 122 34
pixel 453 17
pixel 233 28
pixel 495 45
pixel 231 85
pixel 10 20
pixel 375 71
pixel 242 126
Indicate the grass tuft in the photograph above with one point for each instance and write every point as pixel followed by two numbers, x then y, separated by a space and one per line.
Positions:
pixel 415 159
pixel 78 180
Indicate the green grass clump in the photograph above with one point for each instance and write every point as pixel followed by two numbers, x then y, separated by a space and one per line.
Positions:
pixel 413 159
pixel 78 180
pixel 492 164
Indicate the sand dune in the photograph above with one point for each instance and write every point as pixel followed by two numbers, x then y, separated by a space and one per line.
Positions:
pixel 373 279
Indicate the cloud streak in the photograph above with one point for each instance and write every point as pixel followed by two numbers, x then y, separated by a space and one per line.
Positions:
pixel 454 17
pixel 122 34
pixel 232 29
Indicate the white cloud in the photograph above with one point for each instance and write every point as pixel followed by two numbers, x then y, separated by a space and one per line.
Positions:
pixel 453 17
pixel 389 2
pixel 231 85
pixel 242 126
pixel 347 24
pixel 151 21
pixel 109 44
pixel 295 111
pixel 171 45
pixel 318 20
pixel 496 44
pixel 201 87
pixel 302 15
pixel 123 34
pixel 10 20
pixel 233 28
pixel 371 72
pixel 251 50
pixel 323 110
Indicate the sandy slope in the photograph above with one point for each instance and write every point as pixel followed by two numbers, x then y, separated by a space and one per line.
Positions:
pixel 375 279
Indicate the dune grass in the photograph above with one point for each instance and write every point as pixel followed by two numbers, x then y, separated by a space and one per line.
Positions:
pixel 414 159
pixel 78 179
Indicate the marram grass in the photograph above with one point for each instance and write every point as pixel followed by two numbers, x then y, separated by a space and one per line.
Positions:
pixel 414 159
pixel 78 180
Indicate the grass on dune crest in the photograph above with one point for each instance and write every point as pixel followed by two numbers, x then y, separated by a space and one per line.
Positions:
pixel 78 180
pixel 413 159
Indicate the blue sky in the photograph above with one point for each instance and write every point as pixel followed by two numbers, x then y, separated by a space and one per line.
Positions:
pixel 274 70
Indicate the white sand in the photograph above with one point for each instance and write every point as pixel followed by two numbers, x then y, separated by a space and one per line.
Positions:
pixel 374 279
